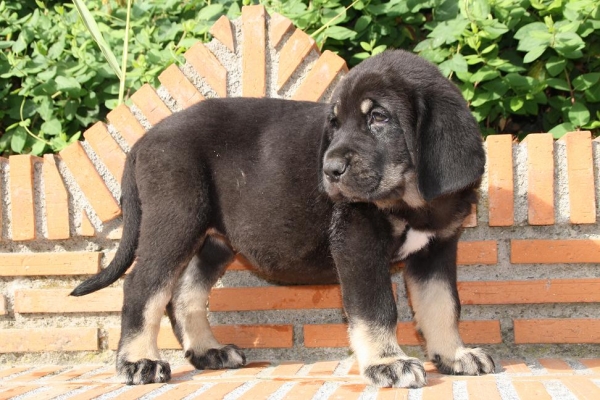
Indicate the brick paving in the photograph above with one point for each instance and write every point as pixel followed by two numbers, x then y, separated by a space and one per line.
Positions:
pixel 515 379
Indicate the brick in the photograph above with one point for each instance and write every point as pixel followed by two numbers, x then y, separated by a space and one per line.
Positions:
pixel 254 67
pixel 37 373
pixel 555 365
pixel 555 251
pixel 437 389
pixel 179 86
pixel 13 392
pixel 59 301
pixel 276 298
pixel 179 391
pixel 580 172
pixel 56 201
pixel 348 392
pixel 286 369
pixel 123 120
pixel 592 364
pixel 557 330
pixel 480 252
pixel 207 66
pixel 323 368
pixel 107 149
pixel 12 371
pixel 22 197
pixel 530 291
pixel 56 391
pixel 303 390
pixel 35 264
pixel 320 77
pixel 583 388
pixel 295 50
pixel 136 392
pixel 500 180
pixel 72 373
pixel 90 182
pixel 150 104
pixel 278 27
pixel 515 367
pixel 392 394
pixel 86 228
pixel 262 390
pixel 222 31
pixel 531 390
pixel 97 391
pixel 244 336
pixel 48 339
pixel 252 369
pixel 540 175
pixel 220 390
pixel 471 220
pixel 483 390
pixel 335 335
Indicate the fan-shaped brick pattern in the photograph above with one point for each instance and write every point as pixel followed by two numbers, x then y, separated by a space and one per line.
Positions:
pixel 530 248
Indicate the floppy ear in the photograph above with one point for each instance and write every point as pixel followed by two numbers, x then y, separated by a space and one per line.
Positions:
pixel 447 145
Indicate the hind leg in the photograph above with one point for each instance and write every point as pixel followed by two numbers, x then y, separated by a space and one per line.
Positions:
pixel 188 309
pixel 174 221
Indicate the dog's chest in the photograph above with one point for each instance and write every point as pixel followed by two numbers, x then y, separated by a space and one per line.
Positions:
pixel 410 240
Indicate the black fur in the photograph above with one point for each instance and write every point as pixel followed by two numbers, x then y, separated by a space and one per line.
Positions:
pixel 309 193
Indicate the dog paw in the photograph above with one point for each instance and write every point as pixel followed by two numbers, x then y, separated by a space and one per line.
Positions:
pixel 399 372
pixel 145 371
pixel 467 362
pixel 229 356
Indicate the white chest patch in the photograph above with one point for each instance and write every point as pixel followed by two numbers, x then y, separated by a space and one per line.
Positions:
pixel 415 241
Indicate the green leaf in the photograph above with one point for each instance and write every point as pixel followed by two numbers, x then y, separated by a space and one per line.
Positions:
pixel 339 33
pixel 568 44
pixel 362 23
pixel 559 84
pixel 492 29
pixel 579 115
pixel 555 65
pixel 525 31
pixel 560 130
pixel 459 64
pixel 210 12
pixel 52 127
pixel 534 54
pixel 18 139
pixel 38 148
pixel 484 74
pixel 68 85
pixel 586 81
pixel 92 26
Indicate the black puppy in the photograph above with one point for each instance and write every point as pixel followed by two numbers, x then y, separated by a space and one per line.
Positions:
pixel 309 193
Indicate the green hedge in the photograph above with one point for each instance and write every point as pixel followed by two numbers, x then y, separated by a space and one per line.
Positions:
pixel 523 65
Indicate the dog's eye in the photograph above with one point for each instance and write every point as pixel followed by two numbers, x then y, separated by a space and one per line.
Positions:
pixel 378 117
pixel 333 122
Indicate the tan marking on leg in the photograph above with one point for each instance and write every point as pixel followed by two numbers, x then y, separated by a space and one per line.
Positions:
pixel 190 301
pixel 435 316
pixel 144 344
pixel 369 343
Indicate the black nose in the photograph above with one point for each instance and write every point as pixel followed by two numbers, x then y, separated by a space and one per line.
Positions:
pixel 335 168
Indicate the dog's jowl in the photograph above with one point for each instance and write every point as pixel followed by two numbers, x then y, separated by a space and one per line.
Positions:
pixel 309 193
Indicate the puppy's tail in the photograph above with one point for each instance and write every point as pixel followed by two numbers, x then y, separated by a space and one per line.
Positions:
pixel 132 214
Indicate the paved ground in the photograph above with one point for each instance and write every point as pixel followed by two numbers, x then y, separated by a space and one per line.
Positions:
pixel 516 379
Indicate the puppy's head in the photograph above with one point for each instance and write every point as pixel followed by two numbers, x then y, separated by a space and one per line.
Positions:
pixel 399 130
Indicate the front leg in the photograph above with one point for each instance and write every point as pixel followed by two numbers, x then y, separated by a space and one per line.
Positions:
pixel 430 276
pixel 361 248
